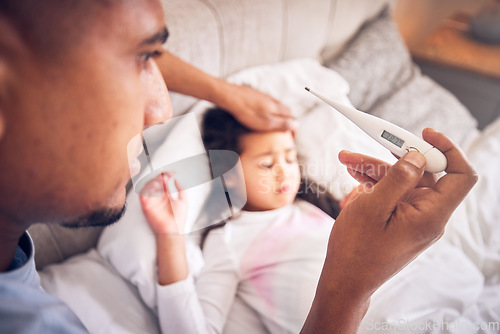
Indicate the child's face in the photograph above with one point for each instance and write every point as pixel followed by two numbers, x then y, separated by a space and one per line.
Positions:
pixel 271 170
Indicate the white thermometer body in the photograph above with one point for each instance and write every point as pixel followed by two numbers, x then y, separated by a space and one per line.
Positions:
pixel 397 140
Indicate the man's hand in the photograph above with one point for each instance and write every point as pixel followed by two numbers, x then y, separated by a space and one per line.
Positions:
pixel 403 214
pixel 256 110
pixel 384 229
pixel 360 189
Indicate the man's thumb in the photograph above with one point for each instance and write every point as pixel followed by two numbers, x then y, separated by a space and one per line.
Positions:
pixel 401 178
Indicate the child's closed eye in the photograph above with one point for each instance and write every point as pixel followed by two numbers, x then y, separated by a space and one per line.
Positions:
pixel 266 164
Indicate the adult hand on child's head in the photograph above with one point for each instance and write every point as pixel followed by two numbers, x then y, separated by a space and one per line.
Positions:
pixel 257 110
pixel 165 213
pixel 405 212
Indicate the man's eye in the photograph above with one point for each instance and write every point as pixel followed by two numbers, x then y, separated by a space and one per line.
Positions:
pixel 148 55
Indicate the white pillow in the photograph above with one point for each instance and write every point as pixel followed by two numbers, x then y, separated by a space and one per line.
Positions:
pixel 98 295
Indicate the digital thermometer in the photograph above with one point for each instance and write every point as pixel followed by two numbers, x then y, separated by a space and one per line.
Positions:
pixel 396 139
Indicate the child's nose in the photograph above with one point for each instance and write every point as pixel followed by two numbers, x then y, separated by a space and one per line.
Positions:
pixel 279 171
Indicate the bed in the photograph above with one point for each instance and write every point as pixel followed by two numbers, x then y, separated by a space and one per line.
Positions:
pixel 350 51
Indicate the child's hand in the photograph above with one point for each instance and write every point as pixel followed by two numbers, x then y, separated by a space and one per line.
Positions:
pixel 165 214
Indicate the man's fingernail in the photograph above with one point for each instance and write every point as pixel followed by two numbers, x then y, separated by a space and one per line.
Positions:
pixel 415 158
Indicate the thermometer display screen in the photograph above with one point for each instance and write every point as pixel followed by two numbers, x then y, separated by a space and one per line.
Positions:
pixel 393 139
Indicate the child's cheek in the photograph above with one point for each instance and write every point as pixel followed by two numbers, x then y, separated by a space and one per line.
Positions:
pixel 264 186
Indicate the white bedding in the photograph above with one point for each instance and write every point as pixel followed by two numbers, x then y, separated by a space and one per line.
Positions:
pixel 456 283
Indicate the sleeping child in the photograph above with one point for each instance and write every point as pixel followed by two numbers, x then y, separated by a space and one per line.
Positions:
pixel 262 265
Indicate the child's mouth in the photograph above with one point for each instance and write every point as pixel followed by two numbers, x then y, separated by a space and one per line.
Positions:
pixel 284 189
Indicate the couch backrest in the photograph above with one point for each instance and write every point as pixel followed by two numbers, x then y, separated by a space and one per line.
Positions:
pixel 222 37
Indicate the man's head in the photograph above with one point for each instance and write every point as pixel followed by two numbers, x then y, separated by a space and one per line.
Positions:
pixel 77 82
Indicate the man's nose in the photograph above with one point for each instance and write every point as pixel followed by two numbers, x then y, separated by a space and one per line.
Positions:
pixel 158 106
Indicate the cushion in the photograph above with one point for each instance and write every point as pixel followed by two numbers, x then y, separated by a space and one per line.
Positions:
pixel 385 82
pixel 427 104
pixel 375 62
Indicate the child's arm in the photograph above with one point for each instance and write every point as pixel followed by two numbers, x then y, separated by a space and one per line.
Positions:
pixel 167 216
pixel 182 307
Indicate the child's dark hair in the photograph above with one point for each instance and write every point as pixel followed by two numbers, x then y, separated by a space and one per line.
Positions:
pixel 221 131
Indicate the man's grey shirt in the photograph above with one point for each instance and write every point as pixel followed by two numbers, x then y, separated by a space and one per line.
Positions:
pixel 24 306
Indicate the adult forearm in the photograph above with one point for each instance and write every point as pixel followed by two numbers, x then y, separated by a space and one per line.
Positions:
pixel 254 109
pixel 181 77
pixel 335 309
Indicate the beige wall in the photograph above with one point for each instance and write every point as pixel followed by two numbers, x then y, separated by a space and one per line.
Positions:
pixel 418 18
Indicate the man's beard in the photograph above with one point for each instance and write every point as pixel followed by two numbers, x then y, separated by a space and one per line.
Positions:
pixel 98 218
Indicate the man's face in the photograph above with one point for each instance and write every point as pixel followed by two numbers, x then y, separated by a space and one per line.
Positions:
pixel 68 122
